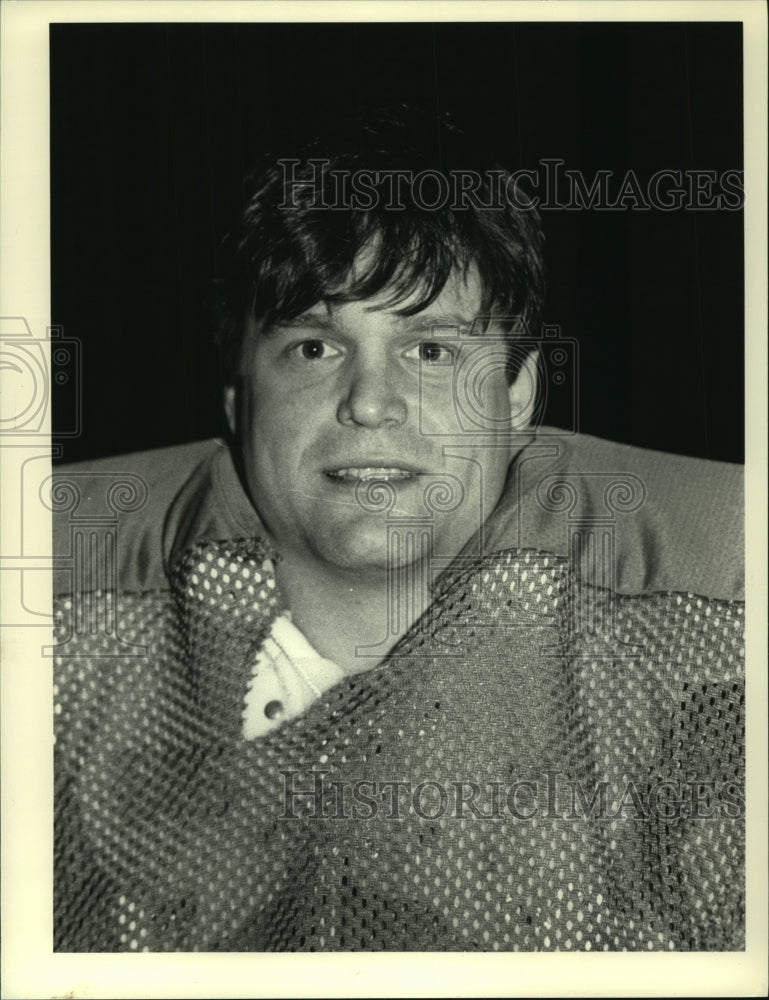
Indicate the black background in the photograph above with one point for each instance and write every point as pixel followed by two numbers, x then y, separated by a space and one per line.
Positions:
pixel 153 127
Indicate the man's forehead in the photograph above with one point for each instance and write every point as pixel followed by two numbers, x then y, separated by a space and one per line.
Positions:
pixel 325 313
pixel 459 303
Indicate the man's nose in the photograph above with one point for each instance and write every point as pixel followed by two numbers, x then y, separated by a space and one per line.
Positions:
pixel 371 396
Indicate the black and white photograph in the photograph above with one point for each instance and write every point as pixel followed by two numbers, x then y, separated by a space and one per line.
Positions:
pixel 392 450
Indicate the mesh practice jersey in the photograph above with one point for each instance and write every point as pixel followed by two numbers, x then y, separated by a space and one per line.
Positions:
pixel 550 759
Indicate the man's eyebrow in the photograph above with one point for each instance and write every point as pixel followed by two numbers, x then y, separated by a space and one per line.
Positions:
pixel 426 320
pixel 318 320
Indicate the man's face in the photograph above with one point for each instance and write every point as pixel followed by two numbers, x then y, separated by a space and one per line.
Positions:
pixel 351 416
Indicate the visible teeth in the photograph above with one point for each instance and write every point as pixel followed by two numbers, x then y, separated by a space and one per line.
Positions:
pixel 364 474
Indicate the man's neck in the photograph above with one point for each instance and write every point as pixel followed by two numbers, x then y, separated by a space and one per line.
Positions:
pixel 350 618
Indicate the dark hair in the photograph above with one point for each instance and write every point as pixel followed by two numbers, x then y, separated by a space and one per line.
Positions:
pixel 302 228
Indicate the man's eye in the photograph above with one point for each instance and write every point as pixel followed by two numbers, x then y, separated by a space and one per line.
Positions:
pixel 432 352
pixel 314 350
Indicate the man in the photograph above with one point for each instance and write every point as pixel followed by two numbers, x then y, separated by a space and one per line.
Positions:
pixel 395 667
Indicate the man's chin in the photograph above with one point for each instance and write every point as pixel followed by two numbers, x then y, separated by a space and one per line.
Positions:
pixel 368 553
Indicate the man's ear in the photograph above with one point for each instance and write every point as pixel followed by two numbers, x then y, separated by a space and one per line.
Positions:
pixel 230 408
pixel 523 392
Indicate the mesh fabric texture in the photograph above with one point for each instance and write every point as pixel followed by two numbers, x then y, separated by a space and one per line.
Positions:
pixel 173 833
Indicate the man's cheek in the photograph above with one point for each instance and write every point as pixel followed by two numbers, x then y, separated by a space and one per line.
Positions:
pixel 438 413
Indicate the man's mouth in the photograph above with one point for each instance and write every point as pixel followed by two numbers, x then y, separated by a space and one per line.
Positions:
pixel 355 474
